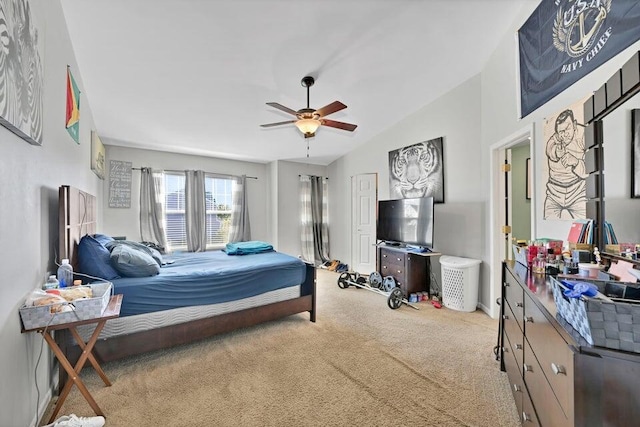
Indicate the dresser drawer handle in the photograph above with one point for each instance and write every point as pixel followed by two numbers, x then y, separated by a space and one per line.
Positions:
pixel 384 267
pixel 507 284
pixel 398 259
pixel 528 319
pixel 558 369
pixel 516 388
pixel 505 350
pixel 399 271
pixel 505 316
pixel 384 256
pixel 518 346
pixel 519 304
pixel 525 417
pixel 499 301
pixel 527 368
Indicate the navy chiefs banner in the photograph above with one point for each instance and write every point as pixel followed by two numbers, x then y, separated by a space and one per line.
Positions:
pixel 564 40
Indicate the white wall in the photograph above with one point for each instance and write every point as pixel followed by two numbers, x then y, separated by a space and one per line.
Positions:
pixel 31 176
pixel 458 222
pixel 126 222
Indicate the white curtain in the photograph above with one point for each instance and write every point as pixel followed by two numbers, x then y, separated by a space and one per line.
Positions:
pixel 240 230
pixel 314 218
pixel 152 207
pixel 195 211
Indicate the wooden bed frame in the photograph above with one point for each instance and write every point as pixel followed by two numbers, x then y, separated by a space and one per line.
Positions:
pixel 77 217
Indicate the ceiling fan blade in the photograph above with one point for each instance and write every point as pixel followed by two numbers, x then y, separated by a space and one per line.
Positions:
pixel 268 125
pixel 339 125
pixel 282 108
pixel 331 108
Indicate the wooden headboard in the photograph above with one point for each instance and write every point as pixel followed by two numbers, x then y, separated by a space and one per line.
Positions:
pixel 76 217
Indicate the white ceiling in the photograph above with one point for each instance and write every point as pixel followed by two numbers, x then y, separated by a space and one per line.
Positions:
pixel 193 76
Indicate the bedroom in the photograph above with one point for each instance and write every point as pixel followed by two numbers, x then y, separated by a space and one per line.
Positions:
pixel 474 115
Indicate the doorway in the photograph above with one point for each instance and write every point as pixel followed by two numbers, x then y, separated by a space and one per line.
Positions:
pixel 508 207
pixel 364 203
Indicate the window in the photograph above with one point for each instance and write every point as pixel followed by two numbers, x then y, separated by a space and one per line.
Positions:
pixel 174 210
pixel 218 202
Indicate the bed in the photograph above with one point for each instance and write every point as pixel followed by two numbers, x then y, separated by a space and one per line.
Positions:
pixel 168 310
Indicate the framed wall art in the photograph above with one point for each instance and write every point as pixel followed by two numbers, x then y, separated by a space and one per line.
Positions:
pixel 72 118
pixel 97 155
pixel 21 71
pixel 417 171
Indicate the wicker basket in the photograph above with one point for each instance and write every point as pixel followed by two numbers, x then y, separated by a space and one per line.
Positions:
pixel 83 309
pixel 599 320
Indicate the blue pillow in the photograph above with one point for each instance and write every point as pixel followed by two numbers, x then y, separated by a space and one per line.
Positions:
pixel 93 259
pixel 103 239
pixel 135 245
pixel 131 262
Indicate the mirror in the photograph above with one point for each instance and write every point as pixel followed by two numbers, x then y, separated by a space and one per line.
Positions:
pixel 620 210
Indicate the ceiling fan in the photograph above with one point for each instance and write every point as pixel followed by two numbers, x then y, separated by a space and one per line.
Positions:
pixel 309 120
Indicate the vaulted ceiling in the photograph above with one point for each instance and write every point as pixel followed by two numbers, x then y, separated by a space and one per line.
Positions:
pixel 193 76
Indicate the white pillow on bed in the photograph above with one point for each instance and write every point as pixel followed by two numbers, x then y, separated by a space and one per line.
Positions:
pixel 131 262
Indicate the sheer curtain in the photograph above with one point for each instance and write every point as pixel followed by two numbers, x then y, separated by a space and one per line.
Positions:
pixel 314 217
pixel 152 207
pixel 195 211
pixel 240 230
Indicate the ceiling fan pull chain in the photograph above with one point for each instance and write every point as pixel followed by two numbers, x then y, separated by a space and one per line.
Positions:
pixel 307 148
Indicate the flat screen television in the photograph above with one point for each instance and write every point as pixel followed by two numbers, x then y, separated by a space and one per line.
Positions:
pixel 406 221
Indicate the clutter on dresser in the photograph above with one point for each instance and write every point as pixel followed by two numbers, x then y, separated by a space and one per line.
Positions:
pixel 601 320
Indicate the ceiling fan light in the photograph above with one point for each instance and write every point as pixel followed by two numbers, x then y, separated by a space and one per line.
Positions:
pixel 308 126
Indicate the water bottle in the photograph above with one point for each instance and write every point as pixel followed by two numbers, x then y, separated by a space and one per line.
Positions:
pixel 65 274
pixel 52 283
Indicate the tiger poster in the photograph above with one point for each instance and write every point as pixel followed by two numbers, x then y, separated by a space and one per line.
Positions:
pixel 417 171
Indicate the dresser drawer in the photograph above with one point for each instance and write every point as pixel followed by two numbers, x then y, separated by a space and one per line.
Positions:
pixel 514 294
pixel 516 337
pixel 389 258
pixel 553 354
pixel 543 397
pixel 528 416
pixel 514 373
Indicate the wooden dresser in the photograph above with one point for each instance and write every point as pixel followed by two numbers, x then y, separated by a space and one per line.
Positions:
pixel 556 377
pixel 411 270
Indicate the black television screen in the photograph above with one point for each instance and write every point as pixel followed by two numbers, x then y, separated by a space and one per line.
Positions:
pixel 406 221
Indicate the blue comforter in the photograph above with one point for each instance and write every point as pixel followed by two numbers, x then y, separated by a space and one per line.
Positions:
pixel 208 278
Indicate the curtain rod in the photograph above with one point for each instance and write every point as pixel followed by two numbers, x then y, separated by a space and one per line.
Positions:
pixel 325 177
pixel 210 173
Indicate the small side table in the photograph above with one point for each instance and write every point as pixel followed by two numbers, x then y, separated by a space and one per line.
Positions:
pixel 111 312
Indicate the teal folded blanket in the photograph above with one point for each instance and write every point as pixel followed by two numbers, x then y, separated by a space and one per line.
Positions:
pixel 247 248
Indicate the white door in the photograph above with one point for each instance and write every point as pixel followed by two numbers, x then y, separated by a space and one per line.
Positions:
pixel 364 200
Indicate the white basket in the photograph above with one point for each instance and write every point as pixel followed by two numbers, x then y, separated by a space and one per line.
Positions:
pixel 460 282
pixel 83 309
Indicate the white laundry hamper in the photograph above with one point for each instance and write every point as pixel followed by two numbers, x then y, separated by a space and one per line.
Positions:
pixel 460 277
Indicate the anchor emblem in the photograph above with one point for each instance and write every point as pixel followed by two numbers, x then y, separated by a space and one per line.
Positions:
pixel 580 32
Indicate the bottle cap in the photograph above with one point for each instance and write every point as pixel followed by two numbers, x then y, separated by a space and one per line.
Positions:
pixel 77 282
pixel 65 261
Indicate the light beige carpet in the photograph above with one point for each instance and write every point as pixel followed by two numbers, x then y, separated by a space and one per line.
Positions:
pixel 361 363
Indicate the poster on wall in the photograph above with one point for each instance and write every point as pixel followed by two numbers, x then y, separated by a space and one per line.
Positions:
pixel 564 40
pixel 564 169
pixel 72 123
pixel 21 71
pixel 417 171
pixel 119 184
